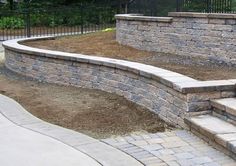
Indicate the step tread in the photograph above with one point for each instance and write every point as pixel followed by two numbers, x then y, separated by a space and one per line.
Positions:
pixel 228 105
pixel 217 130
pixel 214 124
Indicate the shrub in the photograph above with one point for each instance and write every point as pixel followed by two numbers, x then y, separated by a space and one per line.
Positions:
pixel 11 23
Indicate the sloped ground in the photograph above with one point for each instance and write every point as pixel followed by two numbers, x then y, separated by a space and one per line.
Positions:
pixel 104 44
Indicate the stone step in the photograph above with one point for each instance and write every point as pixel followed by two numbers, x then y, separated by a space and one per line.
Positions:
pixel 225 109
pixel 215 131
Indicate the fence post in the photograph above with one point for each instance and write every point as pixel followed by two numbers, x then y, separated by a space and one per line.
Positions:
pixel 177 5
pixel 28 31
pixel 208 6
pixel 82 18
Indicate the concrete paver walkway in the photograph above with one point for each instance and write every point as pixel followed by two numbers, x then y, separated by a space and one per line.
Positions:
pixel 173 148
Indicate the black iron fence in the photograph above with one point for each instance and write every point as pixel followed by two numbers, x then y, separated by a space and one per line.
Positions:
pixel 152 7
pixel 55 22
pixel 162 7
pixel 32 21
pixel 206 6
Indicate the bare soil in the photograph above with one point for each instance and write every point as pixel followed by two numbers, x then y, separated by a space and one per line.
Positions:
pixel 104 44
pixel 93 112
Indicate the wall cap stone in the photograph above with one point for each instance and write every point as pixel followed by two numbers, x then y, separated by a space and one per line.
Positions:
pixel 136 17
pixel 203 15
pixel 171 79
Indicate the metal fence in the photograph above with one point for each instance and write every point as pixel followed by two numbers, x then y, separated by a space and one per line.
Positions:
pixel 162 7
pixel 152 7
pixel 55 22
pixel 32 21
pixel 206 6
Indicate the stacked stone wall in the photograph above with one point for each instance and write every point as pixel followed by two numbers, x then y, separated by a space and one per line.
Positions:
pixel 208 36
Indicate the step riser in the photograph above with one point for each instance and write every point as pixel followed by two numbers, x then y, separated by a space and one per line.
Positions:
pixel 223 112
pixel 224 116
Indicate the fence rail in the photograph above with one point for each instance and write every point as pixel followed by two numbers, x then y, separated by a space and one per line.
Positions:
pixel 162 7
pixel 55 22
pixel 206 6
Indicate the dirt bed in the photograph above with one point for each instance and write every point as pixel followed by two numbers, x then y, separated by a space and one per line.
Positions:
pixel 104 44
pixel 93 112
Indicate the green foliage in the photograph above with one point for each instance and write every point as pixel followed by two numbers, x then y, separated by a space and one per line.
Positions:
pixel 11 23
pixel 71 16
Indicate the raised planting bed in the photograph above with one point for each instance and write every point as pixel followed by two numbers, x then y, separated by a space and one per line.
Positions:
pixel 195 35
pixel 104 44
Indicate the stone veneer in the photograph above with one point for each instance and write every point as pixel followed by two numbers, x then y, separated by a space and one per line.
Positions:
pixel 209 36
pixel 171 95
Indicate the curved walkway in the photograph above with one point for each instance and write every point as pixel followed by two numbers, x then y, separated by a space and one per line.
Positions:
pixel 27 140
pixel 25 147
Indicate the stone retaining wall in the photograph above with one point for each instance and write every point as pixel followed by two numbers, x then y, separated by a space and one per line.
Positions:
pixel 171 95
pixel 209 36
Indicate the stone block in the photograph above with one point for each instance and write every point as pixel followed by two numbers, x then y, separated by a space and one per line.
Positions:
pixel 204 96
pixel 230 21
pixel 216 21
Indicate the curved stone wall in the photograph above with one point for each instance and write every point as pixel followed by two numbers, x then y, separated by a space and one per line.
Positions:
pixel 208 36
pixel 171 95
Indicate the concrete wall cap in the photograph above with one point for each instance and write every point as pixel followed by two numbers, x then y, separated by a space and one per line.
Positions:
pixel 134 17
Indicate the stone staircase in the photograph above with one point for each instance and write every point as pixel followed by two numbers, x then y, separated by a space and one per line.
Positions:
pixel 219 127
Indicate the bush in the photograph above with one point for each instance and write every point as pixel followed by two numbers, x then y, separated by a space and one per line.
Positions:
pixel 11 23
